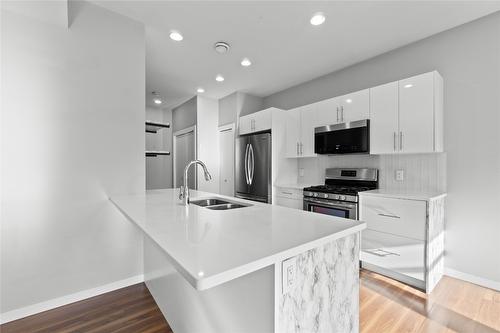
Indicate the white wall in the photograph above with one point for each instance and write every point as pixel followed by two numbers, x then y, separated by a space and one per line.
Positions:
pixel 468 57
pixel 207 142
pixel 72 135
pixel 159 169
pixel 184 115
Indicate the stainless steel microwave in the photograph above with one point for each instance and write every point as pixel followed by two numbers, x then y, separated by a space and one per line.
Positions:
pixel 346 138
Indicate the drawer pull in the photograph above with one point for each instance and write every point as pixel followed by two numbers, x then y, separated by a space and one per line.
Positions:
pixel 289 193
pixel 381 253
pixel 387 215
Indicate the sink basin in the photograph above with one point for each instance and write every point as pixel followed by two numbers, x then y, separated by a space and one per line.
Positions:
pixel 217 204
pixel 226 206
pixel 209 202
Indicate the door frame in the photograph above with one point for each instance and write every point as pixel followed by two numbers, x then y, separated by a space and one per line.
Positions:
pixel 224 128
pixel 174 141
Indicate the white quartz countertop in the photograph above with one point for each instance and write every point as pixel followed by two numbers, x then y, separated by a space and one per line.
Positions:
pixel 210 247
pixel 423 196
pixel 297 186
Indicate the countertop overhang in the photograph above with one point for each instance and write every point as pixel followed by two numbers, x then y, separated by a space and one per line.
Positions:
pixel 210 247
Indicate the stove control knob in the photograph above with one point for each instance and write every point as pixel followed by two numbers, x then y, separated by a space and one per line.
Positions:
pixel 315 194
pixel 325 195
pixel 336 197
pixel 342 197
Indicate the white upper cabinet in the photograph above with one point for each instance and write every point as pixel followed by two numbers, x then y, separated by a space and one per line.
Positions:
pixel 327 112
pixel 354 106
pixel 300 124
pixel 418 112
pixel 407 116
pixel 256 122
pixel 384 130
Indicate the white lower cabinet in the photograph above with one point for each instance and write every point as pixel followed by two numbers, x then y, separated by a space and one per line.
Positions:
pixel 404 238
pixel 289 197
pixel 395 253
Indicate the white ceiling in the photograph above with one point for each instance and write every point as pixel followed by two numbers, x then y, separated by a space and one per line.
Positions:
pixel 276 35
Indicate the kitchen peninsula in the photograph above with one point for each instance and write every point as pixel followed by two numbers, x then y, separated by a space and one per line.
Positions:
pixel 215 270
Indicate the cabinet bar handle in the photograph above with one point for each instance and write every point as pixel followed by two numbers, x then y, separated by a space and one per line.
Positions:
pixel 289 193
pixel 301 148
pixel 297 148
pixel 342 113
pixel 337 114
pixel 387 215
pixel 394 140
pixel 401 140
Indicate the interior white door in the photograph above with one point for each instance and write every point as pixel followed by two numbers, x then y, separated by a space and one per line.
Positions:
pixel 355 106
pixel 292 132
pixel 416 114
pixel 184 153
pixel 384 119
pixel 226 161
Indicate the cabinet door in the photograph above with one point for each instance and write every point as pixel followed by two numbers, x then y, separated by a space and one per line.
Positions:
pixel 355 106
pixel 262 120
pixel 307 125
pixel 292 132
pixel 416 114
pixel 245 125
pixel 327 112
pixel 384 133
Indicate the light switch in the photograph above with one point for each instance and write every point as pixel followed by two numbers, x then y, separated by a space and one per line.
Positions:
pixel 289 274
pixel 400 176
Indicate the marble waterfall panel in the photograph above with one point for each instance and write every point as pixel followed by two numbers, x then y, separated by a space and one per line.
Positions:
pixel 325 297
pixel 435 243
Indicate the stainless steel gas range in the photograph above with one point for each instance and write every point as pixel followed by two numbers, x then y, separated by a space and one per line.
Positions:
pixel 339 195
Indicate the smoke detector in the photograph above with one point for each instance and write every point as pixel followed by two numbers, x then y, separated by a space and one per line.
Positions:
pixel 221 47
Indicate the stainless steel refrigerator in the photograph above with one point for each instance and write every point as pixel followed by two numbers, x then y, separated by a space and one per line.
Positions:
pixel 253 167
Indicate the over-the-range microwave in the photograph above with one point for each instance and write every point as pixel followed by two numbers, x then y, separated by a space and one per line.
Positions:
pixel 345 138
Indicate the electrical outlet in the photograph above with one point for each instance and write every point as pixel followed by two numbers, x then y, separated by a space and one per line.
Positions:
pixel 301 172
pixel 400 176
pixel 289 274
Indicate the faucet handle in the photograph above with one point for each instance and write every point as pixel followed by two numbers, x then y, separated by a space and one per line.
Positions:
pixel 181 192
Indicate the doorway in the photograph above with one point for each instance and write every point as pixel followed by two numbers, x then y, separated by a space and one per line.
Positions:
pixel 226 160
pixel 184 152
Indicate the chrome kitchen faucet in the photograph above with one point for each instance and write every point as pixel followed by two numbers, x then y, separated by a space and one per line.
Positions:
pixel 184 189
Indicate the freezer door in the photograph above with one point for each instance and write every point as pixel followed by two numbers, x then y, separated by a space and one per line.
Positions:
pixel 259 166
pixel 241 166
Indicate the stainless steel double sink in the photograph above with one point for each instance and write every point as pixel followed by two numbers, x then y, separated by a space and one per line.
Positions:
pixel 217 204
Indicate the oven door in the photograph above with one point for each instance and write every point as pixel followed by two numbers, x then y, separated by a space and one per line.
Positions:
pixel 343 209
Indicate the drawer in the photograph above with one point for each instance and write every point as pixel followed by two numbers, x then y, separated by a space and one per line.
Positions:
pixel 290 203
pixel 407 218
pixel 398 254
pixel 291 193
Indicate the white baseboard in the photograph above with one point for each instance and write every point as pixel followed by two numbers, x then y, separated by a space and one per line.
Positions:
pixel 472 279
pixel 64 300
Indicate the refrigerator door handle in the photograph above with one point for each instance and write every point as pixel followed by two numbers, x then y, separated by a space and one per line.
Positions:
pixel 251 172
pixel 246 164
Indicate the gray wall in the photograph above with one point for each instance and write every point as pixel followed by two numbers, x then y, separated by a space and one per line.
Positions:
pixel 468 57
pixel 79 95
pixel 184 115
pixel 159 169
pixel 238 104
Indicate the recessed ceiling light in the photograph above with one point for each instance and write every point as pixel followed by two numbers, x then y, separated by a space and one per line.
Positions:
pixel 246 62
pixel 318 19
pixel 408 85
pixel 200 273
pixel 219 78
pixel 200 90
pixel 176 35
pixel 157 101
pixel 348 100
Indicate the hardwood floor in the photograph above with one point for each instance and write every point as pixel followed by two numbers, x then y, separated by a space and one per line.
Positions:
pixel 454 306
pixel 127 310
pixel 385 305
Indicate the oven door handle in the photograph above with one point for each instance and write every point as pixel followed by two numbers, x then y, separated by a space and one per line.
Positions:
pixel 330 204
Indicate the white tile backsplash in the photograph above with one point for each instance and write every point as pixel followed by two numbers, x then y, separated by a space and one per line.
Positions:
pixel 422 172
